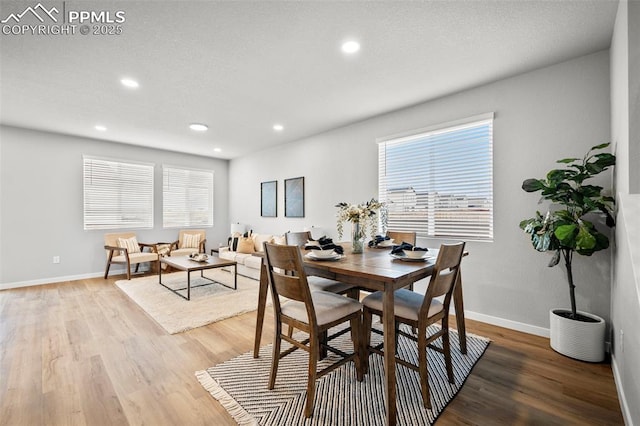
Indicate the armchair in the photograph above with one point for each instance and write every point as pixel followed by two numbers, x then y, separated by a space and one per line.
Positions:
pixel 189 241
pixel 124 248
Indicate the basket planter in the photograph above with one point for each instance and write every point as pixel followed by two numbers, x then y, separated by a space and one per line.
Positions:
pixel 577 339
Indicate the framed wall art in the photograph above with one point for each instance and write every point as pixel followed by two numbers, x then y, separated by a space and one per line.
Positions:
pixel 269 199
pixel 294 197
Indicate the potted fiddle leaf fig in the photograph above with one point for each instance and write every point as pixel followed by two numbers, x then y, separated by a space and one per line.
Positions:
pixel 565 229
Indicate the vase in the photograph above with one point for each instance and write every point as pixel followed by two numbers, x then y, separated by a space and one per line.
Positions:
pixel 357 238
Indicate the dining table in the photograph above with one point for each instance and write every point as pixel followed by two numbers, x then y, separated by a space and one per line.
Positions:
pixel 374 269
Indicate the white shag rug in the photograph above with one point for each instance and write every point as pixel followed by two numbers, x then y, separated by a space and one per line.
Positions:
pixel 208 303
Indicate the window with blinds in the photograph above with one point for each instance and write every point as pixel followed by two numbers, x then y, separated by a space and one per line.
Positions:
pixel 439 182
pixel 117 195
pixel 187 197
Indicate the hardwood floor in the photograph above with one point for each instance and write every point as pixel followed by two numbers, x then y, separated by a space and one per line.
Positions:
pixel 82 353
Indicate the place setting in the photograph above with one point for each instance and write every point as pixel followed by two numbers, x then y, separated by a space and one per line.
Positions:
pixel 323 249
pixel 381 242
pixel 409 253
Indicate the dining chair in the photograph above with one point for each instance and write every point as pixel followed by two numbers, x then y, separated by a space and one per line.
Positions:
pixel 124 248
pixel 313 312
pixel 420 312
pixel 299 239
pixel 399 237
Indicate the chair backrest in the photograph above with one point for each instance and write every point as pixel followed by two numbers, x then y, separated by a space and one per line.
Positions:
pixel 297 238
pixel 183 232
pixel 111 239
pixel 287 278
pixel 400 237
pixel 444 276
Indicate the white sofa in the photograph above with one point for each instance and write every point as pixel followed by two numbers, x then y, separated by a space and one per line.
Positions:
pixel 249 264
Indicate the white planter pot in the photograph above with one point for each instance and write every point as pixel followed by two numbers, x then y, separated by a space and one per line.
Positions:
pixel 577 339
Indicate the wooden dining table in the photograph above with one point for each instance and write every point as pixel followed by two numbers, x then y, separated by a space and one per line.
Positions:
pixel 372 270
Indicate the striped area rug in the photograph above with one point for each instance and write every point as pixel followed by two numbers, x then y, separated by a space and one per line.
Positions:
pixel 240 385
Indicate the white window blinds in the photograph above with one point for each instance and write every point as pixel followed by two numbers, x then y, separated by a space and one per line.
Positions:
pixel 439 183
pixel 187 197
pixel 117 195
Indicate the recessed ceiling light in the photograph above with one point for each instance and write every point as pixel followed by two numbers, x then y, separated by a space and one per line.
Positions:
pixel 198 127
pixel 130 83
pixel 278 127
pixel 100 128
pixel 350 47
pixel 217 149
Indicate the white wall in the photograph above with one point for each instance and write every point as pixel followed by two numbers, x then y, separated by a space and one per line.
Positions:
pixel 41 204
pixel 625 133
pixel 619 59
pixel 541 116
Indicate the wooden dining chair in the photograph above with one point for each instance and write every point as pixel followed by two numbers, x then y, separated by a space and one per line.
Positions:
pixel 400 237
pixel 311 312
pixel 320 283
pixel 420 312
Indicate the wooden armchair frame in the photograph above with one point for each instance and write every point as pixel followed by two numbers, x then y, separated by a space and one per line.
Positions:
pixel 175 249
pixel 122 255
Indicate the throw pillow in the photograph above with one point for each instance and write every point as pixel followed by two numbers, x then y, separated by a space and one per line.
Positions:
pixel 233 241
pixel 280 240
pixel 259 240
pixel 245 245
pixel 131 244
pixel 190 241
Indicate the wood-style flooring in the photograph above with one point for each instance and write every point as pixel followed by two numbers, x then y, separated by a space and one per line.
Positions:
pixel 81 353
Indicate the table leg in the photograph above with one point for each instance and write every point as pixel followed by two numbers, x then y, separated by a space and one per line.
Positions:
pixel 188 285
pixel 388 324
pixel 459 306
pixel 262 303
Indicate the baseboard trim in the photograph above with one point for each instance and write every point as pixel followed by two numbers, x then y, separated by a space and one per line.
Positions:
pixel 512 325
pixel 51 280
pixel 624 407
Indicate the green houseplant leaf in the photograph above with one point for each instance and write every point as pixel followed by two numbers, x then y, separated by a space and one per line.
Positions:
pixel 565 230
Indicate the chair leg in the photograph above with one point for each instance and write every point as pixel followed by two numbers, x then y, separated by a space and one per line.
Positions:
pixel 413 329
pixel 353 293
pixel 366 339
pixel 356 338
pixel 106 272
pixel 311 380
pixel 446 349
pixel 322 338
pixel 423 367
pixel 276 355
pixel 128 266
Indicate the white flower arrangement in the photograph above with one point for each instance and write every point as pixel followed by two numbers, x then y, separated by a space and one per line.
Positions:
pixel 364 214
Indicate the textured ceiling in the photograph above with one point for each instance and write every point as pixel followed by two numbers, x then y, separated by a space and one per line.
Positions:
pixel 240 67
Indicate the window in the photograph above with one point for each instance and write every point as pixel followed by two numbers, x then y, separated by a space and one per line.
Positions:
pixel 439 182
pixel 187 197
pixel 117 195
